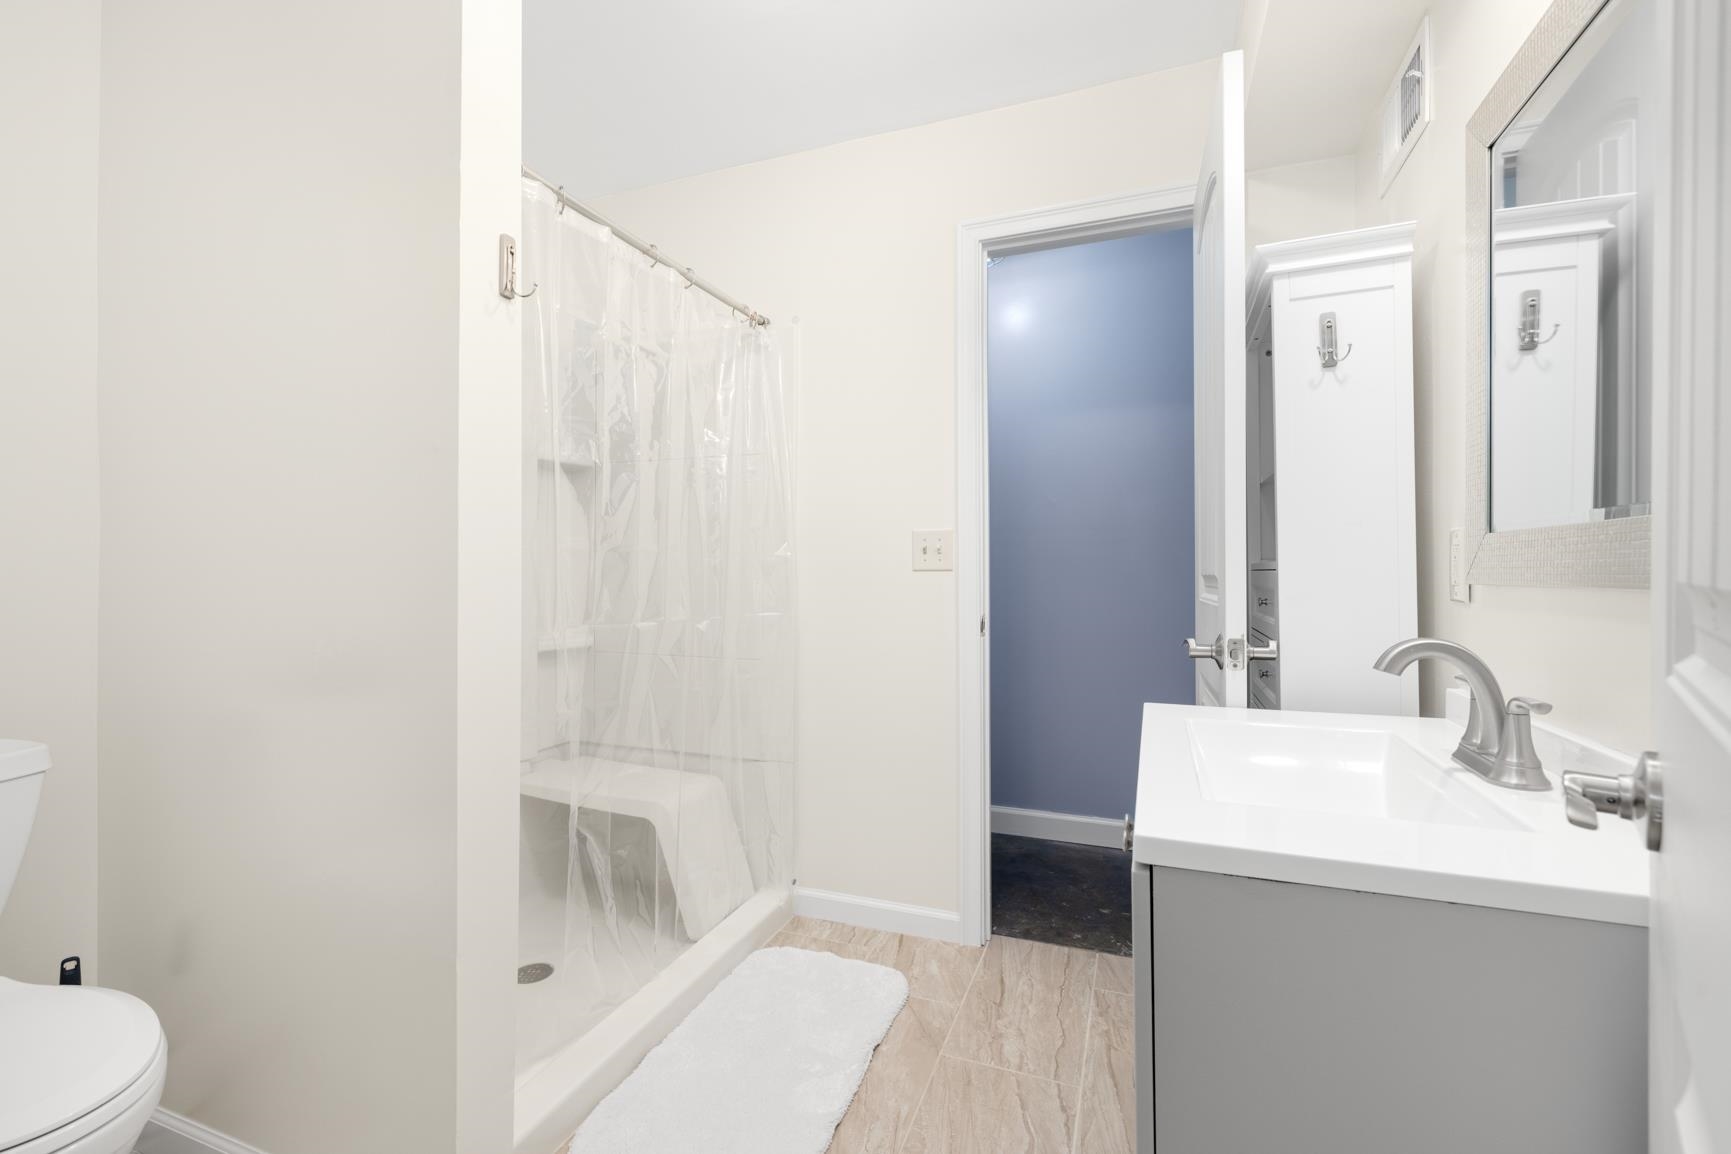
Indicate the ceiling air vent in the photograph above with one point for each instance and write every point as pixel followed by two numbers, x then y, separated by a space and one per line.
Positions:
pixel 1406 108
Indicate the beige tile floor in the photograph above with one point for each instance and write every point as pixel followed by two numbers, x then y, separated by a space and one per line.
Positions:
pixel 1015 1048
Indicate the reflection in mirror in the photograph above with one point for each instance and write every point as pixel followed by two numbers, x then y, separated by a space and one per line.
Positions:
pixel 1570 223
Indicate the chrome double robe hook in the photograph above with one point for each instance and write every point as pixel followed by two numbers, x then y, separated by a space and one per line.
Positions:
pixel 1328 336
pixel 1527 334
pixel 508 270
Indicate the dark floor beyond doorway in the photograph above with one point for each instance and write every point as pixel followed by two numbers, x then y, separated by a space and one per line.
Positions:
pixel 1068 895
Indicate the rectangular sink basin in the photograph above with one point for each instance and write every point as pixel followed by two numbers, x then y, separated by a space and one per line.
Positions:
pixel 1361 772
pixel 1376 804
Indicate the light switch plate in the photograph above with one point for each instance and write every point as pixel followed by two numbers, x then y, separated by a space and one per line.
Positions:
pixel 933 550
pixel 1459 590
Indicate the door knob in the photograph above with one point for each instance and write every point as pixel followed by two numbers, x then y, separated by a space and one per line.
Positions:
pixel 1637 797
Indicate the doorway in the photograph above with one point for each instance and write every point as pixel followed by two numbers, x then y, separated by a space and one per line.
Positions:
pixel 1076 429
pixel 1091 521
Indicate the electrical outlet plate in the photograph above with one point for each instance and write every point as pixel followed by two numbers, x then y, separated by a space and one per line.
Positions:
pixel 1459 590
pixel 934 550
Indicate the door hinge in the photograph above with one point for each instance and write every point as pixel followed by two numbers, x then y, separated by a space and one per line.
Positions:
pixel 982 625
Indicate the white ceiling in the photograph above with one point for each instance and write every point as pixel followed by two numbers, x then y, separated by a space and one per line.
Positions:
pixel 619 94
pixel 1319 74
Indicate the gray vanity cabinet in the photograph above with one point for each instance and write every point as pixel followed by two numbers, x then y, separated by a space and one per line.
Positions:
pixel 1276 1018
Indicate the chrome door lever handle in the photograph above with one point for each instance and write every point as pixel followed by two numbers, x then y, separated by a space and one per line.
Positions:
pixel 1586 795
pixel 1226 652
pixel 1269 652
pixel 1637 797
pixel 1215 653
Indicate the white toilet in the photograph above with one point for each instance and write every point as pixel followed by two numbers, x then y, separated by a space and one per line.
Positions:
pixel 81 1068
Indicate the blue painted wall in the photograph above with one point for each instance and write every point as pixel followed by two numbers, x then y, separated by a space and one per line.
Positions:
pixel 1092 513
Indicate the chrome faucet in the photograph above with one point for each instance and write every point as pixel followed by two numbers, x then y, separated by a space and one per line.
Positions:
pixel 1498 742
pixel 1474 733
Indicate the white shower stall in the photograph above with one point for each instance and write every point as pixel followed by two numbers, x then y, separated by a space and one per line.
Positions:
pixel 657 765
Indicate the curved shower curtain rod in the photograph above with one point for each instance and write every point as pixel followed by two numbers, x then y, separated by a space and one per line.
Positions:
pixel 649 250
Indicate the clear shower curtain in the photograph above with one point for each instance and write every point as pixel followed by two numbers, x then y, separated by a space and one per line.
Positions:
pixel 658 739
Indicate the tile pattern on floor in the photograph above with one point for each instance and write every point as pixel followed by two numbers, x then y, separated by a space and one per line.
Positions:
pixel 1028 1009
pixel 1017 1048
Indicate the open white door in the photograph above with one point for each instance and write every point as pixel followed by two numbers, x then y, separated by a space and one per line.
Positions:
pixel 1689 1106
pixel 1219 644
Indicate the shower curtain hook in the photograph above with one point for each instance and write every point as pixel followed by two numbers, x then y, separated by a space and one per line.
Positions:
pixel 560 194
pixel 654 256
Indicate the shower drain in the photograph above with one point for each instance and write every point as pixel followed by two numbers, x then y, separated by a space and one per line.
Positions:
pixel 533 972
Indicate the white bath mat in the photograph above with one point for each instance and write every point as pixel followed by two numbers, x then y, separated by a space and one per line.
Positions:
pixel 766 1064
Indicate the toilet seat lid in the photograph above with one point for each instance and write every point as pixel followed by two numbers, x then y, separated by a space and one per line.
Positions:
pixel 65 1051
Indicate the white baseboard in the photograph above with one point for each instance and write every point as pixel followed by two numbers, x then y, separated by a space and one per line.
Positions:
pixel 876 914
pixel 169 1133
pixel 1058 826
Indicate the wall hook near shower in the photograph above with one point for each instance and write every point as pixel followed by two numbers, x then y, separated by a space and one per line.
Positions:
pixel 1328 338
pixel 508 270
pixel 1527 335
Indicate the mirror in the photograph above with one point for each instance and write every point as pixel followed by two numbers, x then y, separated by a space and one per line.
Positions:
pixel 1562 162
pixel 1570 406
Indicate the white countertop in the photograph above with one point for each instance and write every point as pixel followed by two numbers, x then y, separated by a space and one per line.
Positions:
pixel 1503 848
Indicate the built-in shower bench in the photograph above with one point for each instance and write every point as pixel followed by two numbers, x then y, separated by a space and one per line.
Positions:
pixel 693 820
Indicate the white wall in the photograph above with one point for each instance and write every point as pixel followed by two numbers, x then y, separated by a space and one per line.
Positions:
pixel 304 409
pixel 1299 200
pixel 1583 649
pixel 858 242
pixel 48 466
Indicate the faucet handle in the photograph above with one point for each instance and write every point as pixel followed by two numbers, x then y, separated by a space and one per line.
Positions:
pixel 1517 762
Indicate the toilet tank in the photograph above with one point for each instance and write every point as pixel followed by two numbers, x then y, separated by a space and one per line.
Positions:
pixel 22 766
